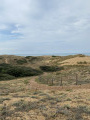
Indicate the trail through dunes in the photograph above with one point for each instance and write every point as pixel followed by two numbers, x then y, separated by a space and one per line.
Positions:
pixel 34 85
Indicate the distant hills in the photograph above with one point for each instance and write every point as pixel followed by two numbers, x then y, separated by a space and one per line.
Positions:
pixel 36 61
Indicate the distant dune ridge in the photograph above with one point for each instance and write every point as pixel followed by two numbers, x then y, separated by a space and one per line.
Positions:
pixel 36 61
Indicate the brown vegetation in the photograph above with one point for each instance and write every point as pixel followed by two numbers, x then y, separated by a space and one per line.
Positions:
pixel 50 96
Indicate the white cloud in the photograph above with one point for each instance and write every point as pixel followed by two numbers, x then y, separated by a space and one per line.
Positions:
pixel 44 21
pixel 3 27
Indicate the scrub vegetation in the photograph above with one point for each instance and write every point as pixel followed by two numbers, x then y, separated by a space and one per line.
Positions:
pixel 45 88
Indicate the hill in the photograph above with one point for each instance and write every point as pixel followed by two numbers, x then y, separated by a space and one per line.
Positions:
pixel 44 87
pixel 36 61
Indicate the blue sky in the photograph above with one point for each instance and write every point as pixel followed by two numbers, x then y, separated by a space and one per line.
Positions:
pixel 44 26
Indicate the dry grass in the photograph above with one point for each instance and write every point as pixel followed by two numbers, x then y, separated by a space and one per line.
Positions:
pixel 35 62
pixel 25 99
pixel 76 60
pixel 20 100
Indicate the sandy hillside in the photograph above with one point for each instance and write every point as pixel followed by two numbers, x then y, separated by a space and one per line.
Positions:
pixel 77 61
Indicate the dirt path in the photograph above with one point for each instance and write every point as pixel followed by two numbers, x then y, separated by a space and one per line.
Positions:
pixel 34 85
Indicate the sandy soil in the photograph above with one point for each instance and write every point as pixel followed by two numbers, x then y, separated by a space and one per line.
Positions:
pixel 74 61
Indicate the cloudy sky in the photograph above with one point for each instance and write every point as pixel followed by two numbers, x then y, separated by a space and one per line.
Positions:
pixel 44 26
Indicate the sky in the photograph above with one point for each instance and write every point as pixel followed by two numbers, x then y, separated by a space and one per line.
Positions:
pixel 44 26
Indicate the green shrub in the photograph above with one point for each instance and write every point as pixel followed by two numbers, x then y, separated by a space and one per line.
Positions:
pixel 82 62
pixel 4 67
pixel 51 68
pixel 28 57
pixel 54 56
pixel 31 58
pixel 0 69
pixel 22 61
pixel 1 57
pixel 23 71
pixel 15 71
pixel 25 106
pixel 6 77
pixel 9 72
pixel 26 82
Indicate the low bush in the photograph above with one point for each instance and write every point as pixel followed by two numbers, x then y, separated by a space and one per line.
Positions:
pixel 25 106
pixel 31 58
pixel 6 77
pixel 23 71
pixel 82 62
pixel 54 56
pixel 22 61
pixel 26 82
pixel 51 68
pixel 10 72
pixel 28 57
